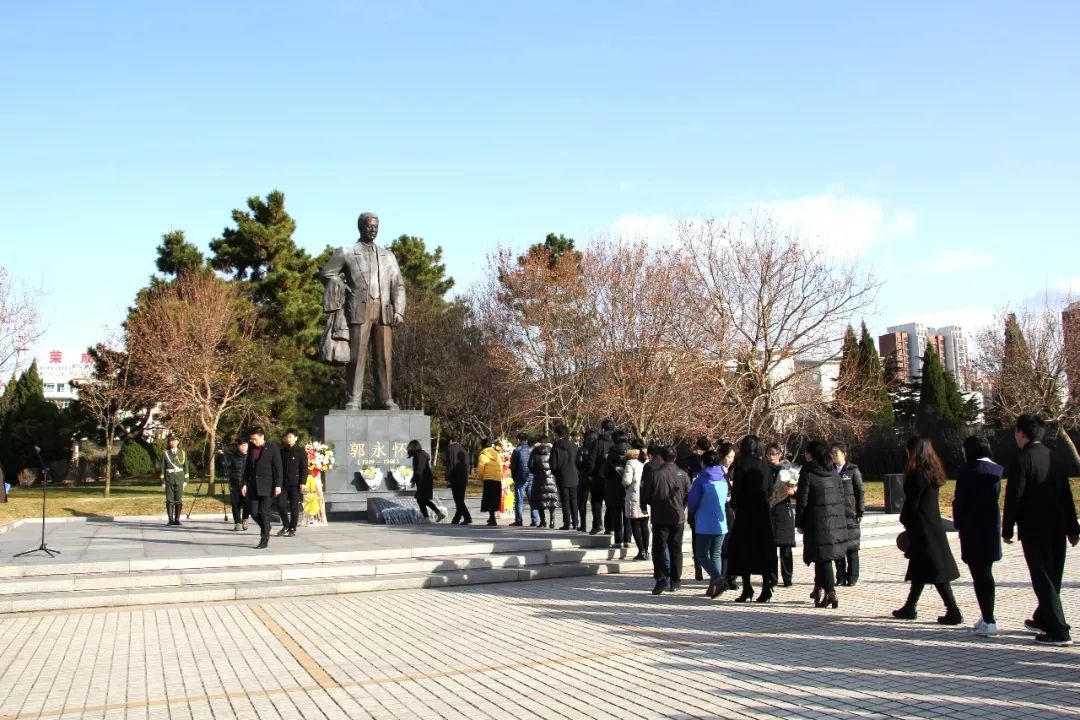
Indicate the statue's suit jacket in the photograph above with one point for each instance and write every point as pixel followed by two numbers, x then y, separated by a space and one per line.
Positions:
pixel 350 264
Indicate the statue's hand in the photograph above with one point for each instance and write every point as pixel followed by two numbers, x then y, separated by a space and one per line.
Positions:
pixel 398 318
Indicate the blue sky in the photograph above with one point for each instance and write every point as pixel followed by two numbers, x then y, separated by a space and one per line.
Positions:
pixel 937 142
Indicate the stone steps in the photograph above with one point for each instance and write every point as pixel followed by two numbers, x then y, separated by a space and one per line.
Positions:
pixel 96 585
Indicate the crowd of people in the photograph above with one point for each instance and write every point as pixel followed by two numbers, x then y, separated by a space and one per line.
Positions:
pixel 745 504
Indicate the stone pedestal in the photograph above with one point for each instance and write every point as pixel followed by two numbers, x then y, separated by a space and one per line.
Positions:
pixel 373 439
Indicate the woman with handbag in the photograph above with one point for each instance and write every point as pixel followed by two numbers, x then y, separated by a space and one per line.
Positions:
pixel 819 515
pixel 929 558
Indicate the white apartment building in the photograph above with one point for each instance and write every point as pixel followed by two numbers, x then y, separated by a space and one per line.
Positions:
pixel 950 342
pixel 58 368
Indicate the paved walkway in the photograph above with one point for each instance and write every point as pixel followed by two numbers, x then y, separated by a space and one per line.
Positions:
pixel 594 648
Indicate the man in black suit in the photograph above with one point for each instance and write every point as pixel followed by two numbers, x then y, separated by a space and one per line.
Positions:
pixel 262 482
pixel 564 468
pixel 1039 502
pixel 294 469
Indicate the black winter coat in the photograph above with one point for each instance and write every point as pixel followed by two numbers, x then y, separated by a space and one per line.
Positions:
pixel 564 463
pixel 930 560
pixel 1038 499
pixel 598 473
pixel 234 467
pixel 544 492
pixel 422 476
pixel 819 513
pixel 854 502
pixel 294 467
pixel 751 550
pixel 664 488
pixel 975 511
pixel 457 465
pixel 615 462
pixel 783 517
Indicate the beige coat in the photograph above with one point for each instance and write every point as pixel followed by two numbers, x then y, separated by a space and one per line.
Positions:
pixel 631 480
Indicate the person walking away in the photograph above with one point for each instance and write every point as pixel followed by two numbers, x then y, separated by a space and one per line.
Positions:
pixel 978 521
pixel 585 461
pixel 929 558
pixel 523 480
pixel 545 493
pixel 819 516
pixel 1039 503
pixel 174 475
pixel 457 479
pixel 489 468
pixel 603 507
pixel 424 480
pixel 692 466
pixel 631 481
pixel 847 567
pixel 664 488
pixel 782 515
pixel 234 467
pixel 752 551
pixel 708 495
pixel 262 482
pixel 294 468
pixel 614 493
pixel 564 468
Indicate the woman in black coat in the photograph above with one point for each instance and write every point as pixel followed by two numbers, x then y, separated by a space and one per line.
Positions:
pixel 752 551
pixel 424 480
pixel 545 493
pixel 977 518
pixel 782 515
pixel 929 558
pixel 819 515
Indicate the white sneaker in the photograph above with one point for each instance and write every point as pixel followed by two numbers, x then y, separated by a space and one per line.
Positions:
pixel 977 626
pixel 987 629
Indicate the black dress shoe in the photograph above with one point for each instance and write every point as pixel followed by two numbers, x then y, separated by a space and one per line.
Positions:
pixel 263 544
pixel 675 587
pixel 905 613
pixel 698 575
pixel 661 586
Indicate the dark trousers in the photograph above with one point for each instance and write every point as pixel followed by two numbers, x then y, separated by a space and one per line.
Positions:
pixel 261 507
pixel 694 547
pixel 824 576
pixel 847 568
pixel 944 590
pixel 568 499
pixel 1046 563
pixel 615 519
pixel 593 494
pixel 982 577
pixel 640 529
pixel 425 504
pixel 288 503
pixel 785 564
pixel 240 511
pixel 461 510
pixel 667 555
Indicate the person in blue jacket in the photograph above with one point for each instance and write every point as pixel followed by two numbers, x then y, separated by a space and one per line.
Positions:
pixel 706 501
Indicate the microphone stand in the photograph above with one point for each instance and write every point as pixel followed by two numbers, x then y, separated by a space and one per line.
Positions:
pixel 44 485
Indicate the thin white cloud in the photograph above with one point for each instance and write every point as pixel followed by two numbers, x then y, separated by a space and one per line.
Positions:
pixel 660 228
pixel 959 260
pixel 846 225
pixel 1056 294
pixel 626 186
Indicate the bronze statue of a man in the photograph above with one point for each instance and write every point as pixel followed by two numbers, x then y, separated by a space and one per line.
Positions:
pixel 365 298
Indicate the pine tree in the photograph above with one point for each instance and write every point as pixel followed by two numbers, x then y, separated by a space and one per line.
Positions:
pixel 555 247
pixel 176 255
pixel 29 420
pixel 874 378
pixel 423 271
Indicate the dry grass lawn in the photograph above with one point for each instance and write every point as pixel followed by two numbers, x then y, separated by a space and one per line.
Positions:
pixel 144 497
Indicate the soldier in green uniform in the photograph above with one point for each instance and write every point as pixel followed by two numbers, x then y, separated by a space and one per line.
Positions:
pixel 174 474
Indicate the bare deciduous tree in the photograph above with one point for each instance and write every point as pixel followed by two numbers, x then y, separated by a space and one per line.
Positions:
pixel 111 395
pixel 1025 357
pixel 19 321
pixel 537 314
pixel 772 309
pixel 194 344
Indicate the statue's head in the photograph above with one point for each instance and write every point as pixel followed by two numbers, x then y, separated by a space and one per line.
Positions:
pixel 368 224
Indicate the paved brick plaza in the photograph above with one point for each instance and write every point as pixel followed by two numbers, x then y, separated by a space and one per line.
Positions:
pixel 598 647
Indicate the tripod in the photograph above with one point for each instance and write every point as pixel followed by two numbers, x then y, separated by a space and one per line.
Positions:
pixel 44 485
